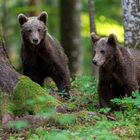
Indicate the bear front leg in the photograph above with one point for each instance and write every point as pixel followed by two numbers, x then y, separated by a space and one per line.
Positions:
pixel 105 94
pixel 63 84
pixel 33 74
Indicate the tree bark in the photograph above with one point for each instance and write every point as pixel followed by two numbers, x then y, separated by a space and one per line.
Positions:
pixel 8 76
pixel 131 17
pixel 70 32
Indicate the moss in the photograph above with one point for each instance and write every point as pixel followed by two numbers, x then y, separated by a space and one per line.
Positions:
pixel 65 119
pixel 72 105
pixel 6 105
pixel 31 97
pixel 68 120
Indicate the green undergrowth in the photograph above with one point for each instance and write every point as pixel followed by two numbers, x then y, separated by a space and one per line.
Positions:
pixel 5 104
pixel 31 97
pixel 28 97
pixel 86 122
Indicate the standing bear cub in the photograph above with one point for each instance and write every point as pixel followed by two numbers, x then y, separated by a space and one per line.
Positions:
pixel 119 69
pixel 41 55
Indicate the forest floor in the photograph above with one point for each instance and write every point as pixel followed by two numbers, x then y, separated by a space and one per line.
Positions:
pixel 80 118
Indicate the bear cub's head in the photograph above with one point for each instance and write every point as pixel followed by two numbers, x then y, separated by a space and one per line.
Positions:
pixel 104 49
pixel 33 29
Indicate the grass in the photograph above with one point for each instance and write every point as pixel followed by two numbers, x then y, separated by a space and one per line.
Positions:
pixel 89 121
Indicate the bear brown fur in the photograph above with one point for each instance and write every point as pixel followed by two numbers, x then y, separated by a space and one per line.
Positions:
pixel 119 69
pixel 41 55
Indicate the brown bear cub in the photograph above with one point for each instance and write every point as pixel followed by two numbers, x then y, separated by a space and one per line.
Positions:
pixel 41 55
pixel 119 69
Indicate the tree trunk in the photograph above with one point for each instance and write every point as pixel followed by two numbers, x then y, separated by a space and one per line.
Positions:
pixel 8 76
pixel 95 69
pixel 91 15
pixel 131 17
pixel 70 32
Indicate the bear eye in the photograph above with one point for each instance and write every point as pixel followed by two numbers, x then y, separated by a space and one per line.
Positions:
pixel 102 51
pixel 39 30
pixel 29 30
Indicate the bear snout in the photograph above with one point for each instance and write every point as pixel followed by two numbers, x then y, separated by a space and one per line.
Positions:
pixel 35 41
pixel 94 62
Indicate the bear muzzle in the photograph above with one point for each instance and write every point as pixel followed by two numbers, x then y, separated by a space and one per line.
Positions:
pixel 35 41
pixel 94 62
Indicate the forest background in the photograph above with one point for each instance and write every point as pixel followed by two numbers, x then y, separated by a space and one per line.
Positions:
pixel 108 19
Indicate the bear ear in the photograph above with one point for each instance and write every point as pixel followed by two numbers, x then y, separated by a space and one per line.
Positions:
pixel 94 37
pixel 22 19
pixel 43 17
pixel 112 40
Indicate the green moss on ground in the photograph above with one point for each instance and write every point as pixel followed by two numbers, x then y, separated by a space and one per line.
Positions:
pixel 6 106
pixel 28 97
pixel 91 123
pixel 69 120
